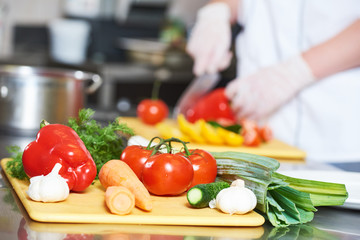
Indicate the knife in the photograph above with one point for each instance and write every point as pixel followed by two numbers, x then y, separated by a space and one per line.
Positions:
pixel 197 88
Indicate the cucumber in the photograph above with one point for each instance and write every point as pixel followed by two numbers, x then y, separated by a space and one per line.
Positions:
pixel 200 195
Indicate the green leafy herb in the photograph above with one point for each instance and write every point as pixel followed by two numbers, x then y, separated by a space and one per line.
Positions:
pixel 14 166
pixel 104 143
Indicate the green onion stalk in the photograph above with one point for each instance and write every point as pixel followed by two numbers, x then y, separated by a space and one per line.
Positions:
pixel 281 199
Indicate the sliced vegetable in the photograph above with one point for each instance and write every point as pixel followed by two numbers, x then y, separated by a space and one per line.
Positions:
pixel 230 138
pixel 200 195
pixel 168 131
pixel 209 133
pixel 118 173
pixel 193 131
pixel 282 200
pixel 119 200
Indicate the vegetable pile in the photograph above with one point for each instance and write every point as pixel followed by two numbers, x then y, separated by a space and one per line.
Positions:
pixel 103 142
pixel 248 133
pixel 130 173
pixel 165 172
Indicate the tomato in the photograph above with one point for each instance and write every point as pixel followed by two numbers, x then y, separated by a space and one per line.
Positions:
pixel 152 111
pixel 251 138
pixel 167 174
pixel 204 165
pixel 135 156
pixel 212 107
pixel 265 133
pixel 250 132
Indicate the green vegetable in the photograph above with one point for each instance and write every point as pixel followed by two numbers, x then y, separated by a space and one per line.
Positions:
pixel 281 199
pixel 200 195
pixel 14 166
pixel 103 142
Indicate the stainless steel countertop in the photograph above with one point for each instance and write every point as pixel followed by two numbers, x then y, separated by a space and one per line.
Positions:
pixel 329 222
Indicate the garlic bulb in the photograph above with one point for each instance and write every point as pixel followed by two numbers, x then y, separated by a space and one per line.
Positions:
pixel 49 188
pixel 236 199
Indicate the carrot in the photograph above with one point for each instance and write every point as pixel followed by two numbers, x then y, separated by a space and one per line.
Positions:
pixel 119 200
pixel 118 173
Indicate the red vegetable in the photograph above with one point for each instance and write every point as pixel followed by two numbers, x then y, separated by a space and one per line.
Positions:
pixel 56 143
pixel 152 111
pixel 135 156
pixel 212 107
pixel 204 165
pixel 167 174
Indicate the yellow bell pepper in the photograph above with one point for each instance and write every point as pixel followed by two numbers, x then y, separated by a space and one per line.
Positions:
pixel 230 138
pixel 210 133
pixel 191 130
pixel 168 131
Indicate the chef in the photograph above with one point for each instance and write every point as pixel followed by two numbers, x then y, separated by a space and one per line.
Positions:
pixel 298 69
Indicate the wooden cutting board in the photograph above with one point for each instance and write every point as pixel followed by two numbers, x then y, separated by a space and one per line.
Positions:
pixel 89 207
pixel 274 148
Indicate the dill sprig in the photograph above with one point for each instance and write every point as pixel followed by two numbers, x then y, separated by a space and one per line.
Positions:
pixel 14 166
pixel 103 142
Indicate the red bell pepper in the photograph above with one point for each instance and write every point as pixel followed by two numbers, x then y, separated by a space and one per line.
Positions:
pixel 212 107
pixel 57 143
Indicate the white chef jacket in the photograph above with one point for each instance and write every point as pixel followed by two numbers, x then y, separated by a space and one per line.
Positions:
pixel 324 119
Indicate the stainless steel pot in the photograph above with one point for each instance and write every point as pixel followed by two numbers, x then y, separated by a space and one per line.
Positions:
pixel 31 94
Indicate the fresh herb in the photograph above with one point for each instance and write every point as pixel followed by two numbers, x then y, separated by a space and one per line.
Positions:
pixel 14 166
pixel 104 143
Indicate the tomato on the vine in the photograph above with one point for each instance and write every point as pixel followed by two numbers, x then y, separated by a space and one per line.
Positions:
pixel 167 174
pixel 135 156
pixel 152 111
pixel 204 165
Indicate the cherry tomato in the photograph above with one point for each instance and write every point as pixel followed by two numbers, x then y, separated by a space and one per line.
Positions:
pixel 212 107
pixel 204 165
pixel 251 138
pixel 265 133
pixel 135 156
pixel 152 111
pixel 167 174
pixel 250 132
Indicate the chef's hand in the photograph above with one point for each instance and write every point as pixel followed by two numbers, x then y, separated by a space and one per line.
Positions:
pixel 259 95
pixel 210 39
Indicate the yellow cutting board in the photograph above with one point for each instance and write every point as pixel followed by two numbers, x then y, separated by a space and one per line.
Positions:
pixel 274 148
pixel 89 207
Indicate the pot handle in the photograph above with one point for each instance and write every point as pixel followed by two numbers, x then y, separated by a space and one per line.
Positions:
pixel 97 81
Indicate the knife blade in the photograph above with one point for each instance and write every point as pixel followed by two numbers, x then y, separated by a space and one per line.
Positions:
pixel 197 88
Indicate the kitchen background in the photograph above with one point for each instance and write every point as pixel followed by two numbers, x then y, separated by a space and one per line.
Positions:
pixel 130 44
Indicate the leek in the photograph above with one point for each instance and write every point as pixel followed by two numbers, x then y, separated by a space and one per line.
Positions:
pixel 281 199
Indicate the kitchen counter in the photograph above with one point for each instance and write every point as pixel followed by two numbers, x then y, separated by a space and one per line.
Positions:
pixel 329 222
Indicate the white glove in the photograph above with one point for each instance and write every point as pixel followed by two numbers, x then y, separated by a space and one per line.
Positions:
pixel 259 95
pixel 210 39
